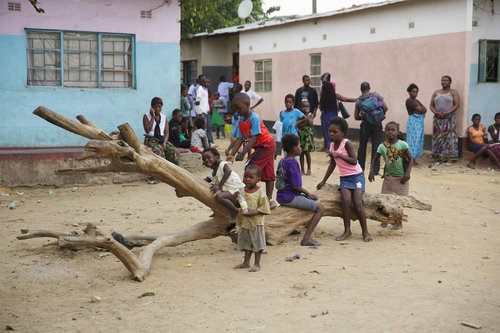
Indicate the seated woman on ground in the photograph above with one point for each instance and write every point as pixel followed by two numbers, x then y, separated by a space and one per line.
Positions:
pixel 494 136
pixel 476 135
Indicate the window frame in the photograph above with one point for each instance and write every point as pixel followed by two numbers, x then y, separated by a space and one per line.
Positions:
pixel 483 61
pixel 258 83
pixel 100 70
pixel 313 76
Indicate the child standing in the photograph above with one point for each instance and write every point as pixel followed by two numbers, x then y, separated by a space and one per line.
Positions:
pixel 251 127
pixel 352 178
pixel 278 128
pixel 398 164
pixel 251 233
pixel 218 107
pixel 294 195
pixel 199 139
pixel 306 138
pixel 291 117
pixel 223 178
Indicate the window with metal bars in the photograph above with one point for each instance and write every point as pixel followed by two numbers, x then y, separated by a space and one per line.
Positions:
pixel 489 61
pixel 80 59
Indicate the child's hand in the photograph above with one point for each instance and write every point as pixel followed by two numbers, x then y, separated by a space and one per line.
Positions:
pixel 240 157
pixel 320 185
pixel 371 176
pixel 235 195
pixel 333 154
pixel 251 212
pixel 214 188
pixel 230 158
pixel 313 196
pixel 405 179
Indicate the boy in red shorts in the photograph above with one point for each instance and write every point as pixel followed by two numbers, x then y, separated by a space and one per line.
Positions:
pixel 251 128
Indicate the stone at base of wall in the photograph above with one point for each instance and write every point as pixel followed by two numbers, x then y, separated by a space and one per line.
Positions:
pixel 38 169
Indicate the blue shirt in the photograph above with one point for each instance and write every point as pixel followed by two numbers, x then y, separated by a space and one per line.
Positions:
pixel 254 120
pixel 234 124
pixel 289 119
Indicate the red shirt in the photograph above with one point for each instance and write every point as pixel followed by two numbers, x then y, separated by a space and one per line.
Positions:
pixel 253 126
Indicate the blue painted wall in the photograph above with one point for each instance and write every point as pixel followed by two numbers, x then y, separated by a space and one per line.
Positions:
pixel 484 98
pixel 157 74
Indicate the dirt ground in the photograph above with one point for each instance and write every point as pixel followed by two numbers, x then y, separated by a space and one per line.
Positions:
pixel 441 269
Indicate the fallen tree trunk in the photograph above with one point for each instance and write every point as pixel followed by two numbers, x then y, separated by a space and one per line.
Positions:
pixel 127 154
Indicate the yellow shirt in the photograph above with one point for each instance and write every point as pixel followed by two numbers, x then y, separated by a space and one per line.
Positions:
pixel 256 200
pixel 477 134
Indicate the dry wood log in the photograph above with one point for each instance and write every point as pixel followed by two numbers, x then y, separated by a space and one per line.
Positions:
pixel 127 154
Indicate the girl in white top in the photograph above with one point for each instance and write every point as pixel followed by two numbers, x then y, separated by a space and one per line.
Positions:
pixel 223 178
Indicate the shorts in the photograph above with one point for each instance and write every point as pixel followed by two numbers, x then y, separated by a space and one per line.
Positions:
pixel 353 182
pixel 263 156
pixel 252 240
pixel 475 147
pixel 301 202
pixel 279 148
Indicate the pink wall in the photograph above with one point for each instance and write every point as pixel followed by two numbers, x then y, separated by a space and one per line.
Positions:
pixel 389 66
pixel 98 16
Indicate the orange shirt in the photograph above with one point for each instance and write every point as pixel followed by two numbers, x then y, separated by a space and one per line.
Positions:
pixel 477 134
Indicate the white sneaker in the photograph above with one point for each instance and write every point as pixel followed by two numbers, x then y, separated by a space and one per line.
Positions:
pixel 213 145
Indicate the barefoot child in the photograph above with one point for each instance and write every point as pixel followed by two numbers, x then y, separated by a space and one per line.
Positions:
pixel 199 139
pixel 352 178
pixel 294 195
pixel 251 234
pixel 251 127
pixel 306 138
pixel 398 164
pixel 223 178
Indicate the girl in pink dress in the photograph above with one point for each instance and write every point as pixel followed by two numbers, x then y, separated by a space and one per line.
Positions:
pixel 352 178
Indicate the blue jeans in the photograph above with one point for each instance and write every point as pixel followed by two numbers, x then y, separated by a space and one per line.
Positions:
pixel 208 120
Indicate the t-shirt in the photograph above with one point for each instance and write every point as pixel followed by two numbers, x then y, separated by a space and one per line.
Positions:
pixel 254 97
pixel 477 134
pixel 197 139
pixel 289 119
pixel 256 200
pixel 234 124
pixel 293 178
pixel 309 95
pixel 233 182
pixel 394 162
pixel 174 129
pixel 278 128
pixel 253 126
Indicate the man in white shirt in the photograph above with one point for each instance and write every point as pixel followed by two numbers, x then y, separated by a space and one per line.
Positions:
pixel 255 99
pixel 223 90
pixel 203 106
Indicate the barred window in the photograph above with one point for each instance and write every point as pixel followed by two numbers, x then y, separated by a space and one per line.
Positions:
pixel 263 75
pixel 489 61
pixel 80 60
pixel 315 68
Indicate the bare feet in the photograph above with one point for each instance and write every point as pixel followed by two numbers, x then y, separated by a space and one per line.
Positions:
pixel 383 224
pixel 397 226
pixel 308 173
pixel 367 237
pixel 255 268
pixel 243 265
pixel 471 165
pixel 343 236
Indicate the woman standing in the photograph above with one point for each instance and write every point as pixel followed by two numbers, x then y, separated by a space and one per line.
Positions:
pixel 444 103
pixel 415 124
pixel 328 102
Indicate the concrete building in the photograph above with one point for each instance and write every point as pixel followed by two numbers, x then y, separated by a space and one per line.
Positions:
pixel 103 59
pixel 389 44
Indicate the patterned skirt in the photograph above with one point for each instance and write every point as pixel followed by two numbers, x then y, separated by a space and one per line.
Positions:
pixel 307 139
pixel 415 134
pixel 167 152
pixel 444 139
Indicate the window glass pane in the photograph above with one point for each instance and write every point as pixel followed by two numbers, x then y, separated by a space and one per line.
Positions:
pixel 315 59
pixel 268 76
pixel 259 86
pixel 492 61
pixel 43 57
pixel 258 66
pixel 268 86
pixel 259 76
pixel 268 66
pixel 116 60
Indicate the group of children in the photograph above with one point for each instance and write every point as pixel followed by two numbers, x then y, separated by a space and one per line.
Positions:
pixel 249 201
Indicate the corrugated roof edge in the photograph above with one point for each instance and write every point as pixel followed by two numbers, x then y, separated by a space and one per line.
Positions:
pixel 281 20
